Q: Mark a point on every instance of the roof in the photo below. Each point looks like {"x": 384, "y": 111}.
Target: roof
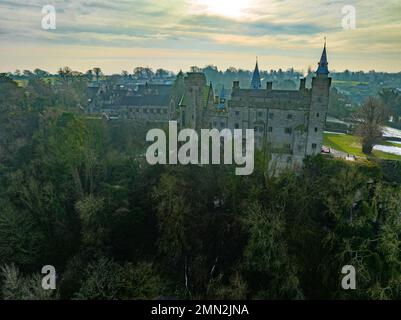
{"x": 256, "y": 84}
{"x": 323, "y": 64}
{"x": 148, "y": 100}
{"x": 207, "y": 94}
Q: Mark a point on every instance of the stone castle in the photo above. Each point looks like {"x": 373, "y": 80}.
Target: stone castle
{"x": 288, "y": 124}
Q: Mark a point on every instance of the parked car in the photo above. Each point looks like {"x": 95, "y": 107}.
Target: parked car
{"x": 326, "y": 150}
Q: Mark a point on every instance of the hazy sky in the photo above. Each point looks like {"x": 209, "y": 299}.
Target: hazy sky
{"x": 176, "y": 34}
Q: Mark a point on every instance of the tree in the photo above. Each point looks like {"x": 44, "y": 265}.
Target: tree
{"x": 124, "y": 74}
{"x": 138, "y": 72}
{"x": 266, "y": 256}
{"x": 161, "y": 73}
{"x": 148, "y": 73}
{"x": 98, "y": 72}
{"x": 391, "y": 98}
{"x": 17, "y": 287}
{"x": 371, "y": 117}
{"x": 89, "y": 75}
{"x": 287, "y": 85}
{"x": 195, "y": 69}
{"x": 340, "y": 105}
{"x": 100, "y": 281}
{"x": 40, "y": 73}
{"x": 65, "y": 74}
{"x": 28, "y": 74}
{"x": 21, "y": 241}
{"x": 143, "y": 72}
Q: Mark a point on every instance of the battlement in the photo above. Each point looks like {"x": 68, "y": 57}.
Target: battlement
{"x": 291, "y": 98}
{"x": 195, "y": 79}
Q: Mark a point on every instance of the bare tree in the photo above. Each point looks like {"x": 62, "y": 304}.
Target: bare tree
{"x": 125, "y": 74}
{"x": 372, "y": 116}
{"x": 89, "y": 75}
{"x": 98, "y": 72}
{"x": 65, "y": 74}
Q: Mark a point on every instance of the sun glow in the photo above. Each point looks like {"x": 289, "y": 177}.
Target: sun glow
{"x": 227, "y": 8}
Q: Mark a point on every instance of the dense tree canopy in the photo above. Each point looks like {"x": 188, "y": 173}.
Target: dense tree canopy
{"x": 76, "y": 193}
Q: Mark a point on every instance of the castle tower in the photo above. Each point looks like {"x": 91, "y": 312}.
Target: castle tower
{"x": 193, "y": 102}
{"x": 256, "y": 84}
{"x": 319, "y": 105}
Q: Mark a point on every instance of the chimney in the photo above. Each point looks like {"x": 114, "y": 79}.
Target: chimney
{"x": 236, "y": 87}
{"x": 302, "y": 84}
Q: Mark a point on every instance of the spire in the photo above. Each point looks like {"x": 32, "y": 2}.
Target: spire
{"x": 223, "y": 94}
{"x": 323, "y": 64}
{"x": 256, "y": 84}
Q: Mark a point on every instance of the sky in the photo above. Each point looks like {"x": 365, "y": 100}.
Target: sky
{"x": 118, "y": 35}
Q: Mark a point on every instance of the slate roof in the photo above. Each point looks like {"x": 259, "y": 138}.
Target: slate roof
{"x": 256, "y": 84}
{"x": 147, "y": 100}
{"x": 323, "y": 64}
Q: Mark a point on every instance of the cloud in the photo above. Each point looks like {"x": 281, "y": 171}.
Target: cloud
{"x": 280, "y": 27}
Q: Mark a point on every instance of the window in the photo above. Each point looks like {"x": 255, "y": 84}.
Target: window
{"x": 183, "y": 118}
{"x": 237, "y": 113}
{"x": 287, "y": 146}
{"x": 260, "y": 114}
{"x": 222, "y": 124}
{"x": 316, "y": 129}
{"x": 271, "y": 115}
{"x": 314, "y": 146}
{"x": 270, "y": 129}
{"x": 261, "y": 129}
{"x": 317, "y": 115}
{"x": 236, "y": 126}
{"x": 288, "y": 130}
{"x": 289, "y": 116}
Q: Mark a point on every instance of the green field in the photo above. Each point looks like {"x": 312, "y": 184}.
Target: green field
{"x": 350, "y": 83}
{"x": 350, "y": 144}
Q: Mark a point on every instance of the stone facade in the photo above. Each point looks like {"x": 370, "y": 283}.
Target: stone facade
{"x": 288, "y": 124}
{"x": 148, "y": 103}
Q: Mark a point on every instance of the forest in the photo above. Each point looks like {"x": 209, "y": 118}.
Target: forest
{"x": 77, "y": 193}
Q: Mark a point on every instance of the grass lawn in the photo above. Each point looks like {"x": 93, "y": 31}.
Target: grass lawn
{"x": 351, "y": 145}
{"x": 350, "y": 83}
